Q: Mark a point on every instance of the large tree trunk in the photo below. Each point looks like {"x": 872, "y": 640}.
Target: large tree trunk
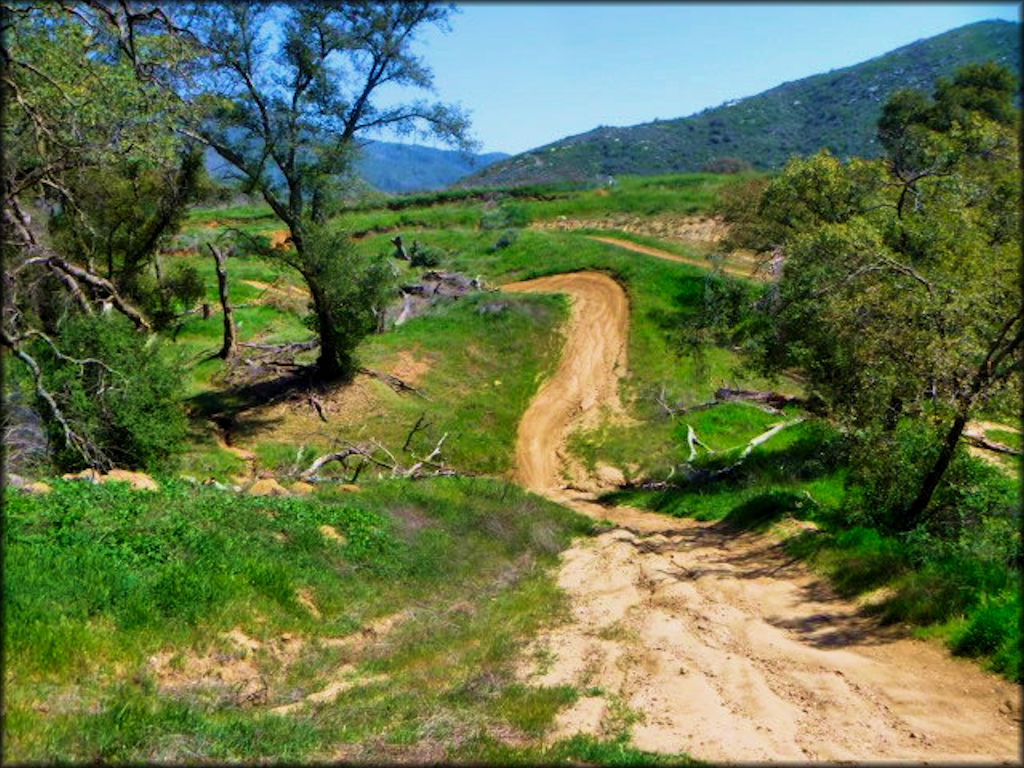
{"x": 230, "y": 335}
{"x": 934, "y": 476}
{"x": 331, "y": 361}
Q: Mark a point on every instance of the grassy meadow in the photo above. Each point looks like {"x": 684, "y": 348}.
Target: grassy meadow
{"x": 383, "y": 624}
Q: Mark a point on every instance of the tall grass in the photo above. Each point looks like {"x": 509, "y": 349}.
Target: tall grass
{"x": 99, "y": 578}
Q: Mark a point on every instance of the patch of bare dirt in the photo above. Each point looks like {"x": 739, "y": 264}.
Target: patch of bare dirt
{"x": 410, "y": 368}
{"x": 298, "y": 421}
{"x": 284, "y": 290}
{"x": 235, "y": 673}
{"x": 139, "y": 481}
{"x": 689, "y": 230}
{"x": 280, "y": 239}
{"x": 978, "y": 429}
{"x": 729, "y": 649}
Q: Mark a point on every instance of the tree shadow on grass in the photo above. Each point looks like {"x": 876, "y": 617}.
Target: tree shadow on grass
{"x": 225, "y": 405}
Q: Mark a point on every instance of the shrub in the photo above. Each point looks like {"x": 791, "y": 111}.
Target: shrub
{"x": 887, "y": 470}
{"x": 129, "y": 407}
{"x": 353, "y": 288}
{"x": 994, "y": 630}
{"x": 424, "y": 255}
{"x": 508, "y": 237}
{"x": 505, "y": 216}
{"x": 726, "y": 165}
{"x": 180, "y": 291}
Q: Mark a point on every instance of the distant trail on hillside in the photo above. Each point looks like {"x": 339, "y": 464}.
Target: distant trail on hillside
{"x": 668, "y": 255}
{"x": 730, "y": 649}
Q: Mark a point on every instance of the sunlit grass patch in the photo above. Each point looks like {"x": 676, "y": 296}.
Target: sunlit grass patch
{"x": 98, "y": 579}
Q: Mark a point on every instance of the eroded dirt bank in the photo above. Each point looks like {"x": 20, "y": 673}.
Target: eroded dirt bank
{"x": 731, "y": 651}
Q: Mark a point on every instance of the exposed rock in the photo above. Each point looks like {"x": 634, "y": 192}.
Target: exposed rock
{"x": 609, "y": 475}
{"x": 92, "y": 475}
{"x": 330, "y": 532}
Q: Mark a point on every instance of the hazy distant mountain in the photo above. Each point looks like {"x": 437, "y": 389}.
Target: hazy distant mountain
{"x": 398, "y": 168}
{"x": 837, "y": 110}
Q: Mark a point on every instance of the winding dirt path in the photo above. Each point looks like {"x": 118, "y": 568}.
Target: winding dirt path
{"x": 731, "y": 651}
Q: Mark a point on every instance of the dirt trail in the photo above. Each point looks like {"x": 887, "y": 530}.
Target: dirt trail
{"x": 731, "y": 651}
{"x": 748, "y": 270}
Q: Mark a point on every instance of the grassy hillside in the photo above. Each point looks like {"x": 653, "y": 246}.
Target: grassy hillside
{"x": 837, "y": 110}
{"x": 389, "y": 623}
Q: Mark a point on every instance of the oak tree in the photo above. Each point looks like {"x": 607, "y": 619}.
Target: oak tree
{"x": 900, "y": 291}
{"x": 290, "y": 92}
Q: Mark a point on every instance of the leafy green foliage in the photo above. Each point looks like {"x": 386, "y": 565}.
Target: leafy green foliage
{"x": 128, "y": 402}
{"x": 504, "y": 216}
{"x": 883, "y": 259}
{"x": 122, "y": 214}
{"x": 424, "y": 256}
{"x": 288, "y": 116}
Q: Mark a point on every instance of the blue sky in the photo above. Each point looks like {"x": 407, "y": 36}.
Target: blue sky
{"x": 532, "y": 73}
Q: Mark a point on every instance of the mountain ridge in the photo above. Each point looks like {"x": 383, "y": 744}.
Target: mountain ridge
{"x": 395, "y": 168}
{"x": 835, "y": 110}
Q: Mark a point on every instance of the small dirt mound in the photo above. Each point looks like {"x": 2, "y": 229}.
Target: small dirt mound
{"x": 140, "y": 481}
{"x": 267, "y": 486}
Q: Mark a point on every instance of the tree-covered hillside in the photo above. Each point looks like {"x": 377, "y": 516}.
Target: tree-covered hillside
{"x": 837, "y": 110}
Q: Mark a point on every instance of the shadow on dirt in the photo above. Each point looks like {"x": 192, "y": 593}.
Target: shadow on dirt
{"x": 739, "y": 551}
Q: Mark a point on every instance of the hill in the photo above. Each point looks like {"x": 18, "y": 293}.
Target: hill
{"x": 397, "y": 168}
{"x": 837, "y": 110}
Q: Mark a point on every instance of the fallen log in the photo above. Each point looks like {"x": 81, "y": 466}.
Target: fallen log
{"x": 392, "y": 381}
{"x": 980, "y": 441}
{"x": 775, "y": 400}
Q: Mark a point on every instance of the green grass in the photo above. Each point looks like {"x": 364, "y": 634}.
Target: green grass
{"x": 99, "y": 578}
{"x": 473, "y": 209}
{"x": 1007, "y": 437}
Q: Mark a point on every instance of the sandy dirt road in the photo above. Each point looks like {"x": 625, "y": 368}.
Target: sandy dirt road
{"x": 729, "y": 650}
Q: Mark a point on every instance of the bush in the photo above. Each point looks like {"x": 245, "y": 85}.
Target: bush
{"x": 994, "y": 623}
{"x": 354, "y": 289}
{"x": 178, "y": 292}
{"x": 508, "y": 237}
{"x": 424, "y": 255}
{"x": 887, "y": 470}
{"x": 505, "y": 216}
{"x": 726, "y": 165}
{"x": 129, "y": 407}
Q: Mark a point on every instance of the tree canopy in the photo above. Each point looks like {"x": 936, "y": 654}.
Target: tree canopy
{"x": 288, "y": 110}
{"x": 900, "y": 290}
